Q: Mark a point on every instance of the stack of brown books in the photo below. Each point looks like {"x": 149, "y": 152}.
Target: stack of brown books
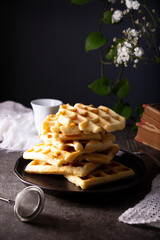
{"x": 149, "y": 126}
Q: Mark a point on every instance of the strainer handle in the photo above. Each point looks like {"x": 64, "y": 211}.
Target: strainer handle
{"x": 7, "y": 200}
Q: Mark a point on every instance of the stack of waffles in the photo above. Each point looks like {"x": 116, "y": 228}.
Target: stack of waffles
{"x": 78, "y": 143}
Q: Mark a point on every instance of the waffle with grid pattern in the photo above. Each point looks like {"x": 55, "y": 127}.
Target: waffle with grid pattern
{"x": 80, "y": 169}
{"x": 77, "y": 143}
{"x": 56, "y": 157}
{"x": 85, "y": 145}
{"x": 105, "y": 174}
{"x": 87, "y": 118}
{"x": 78, "y": 119}
{"x": 50, "y": 154}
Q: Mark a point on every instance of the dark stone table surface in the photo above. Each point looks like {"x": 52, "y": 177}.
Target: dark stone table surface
{"x": 76, "y": 217}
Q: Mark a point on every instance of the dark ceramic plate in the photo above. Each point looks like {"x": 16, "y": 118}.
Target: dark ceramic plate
{"x": 57, "y": 183}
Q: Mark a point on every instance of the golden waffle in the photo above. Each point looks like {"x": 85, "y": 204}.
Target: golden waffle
{"x": 104, "y": 156}
{"x": 85, "y": 145}
{"x": 105, "y": 174}
{"x": 50, "y": 154}
{"x": 77, "y": 143}
{"x": 81, "y": 136}
{"x": 56, "y": 157}
{"x": 80, "y": 121}
{"x": 89, "y": 118}
{"x": 51, "y": 129}
{"x": 61, "y": 136}
{"x": 51, "y": 126}
{"x": 80, "y": 169}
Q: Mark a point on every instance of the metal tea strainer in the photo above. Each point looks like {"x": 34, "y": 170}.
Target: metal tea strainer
{"x": 28, "y": 203}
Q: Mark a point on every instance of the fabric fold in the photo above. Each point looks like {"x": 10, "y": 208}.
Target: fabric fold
{"x": 17, "y": 130}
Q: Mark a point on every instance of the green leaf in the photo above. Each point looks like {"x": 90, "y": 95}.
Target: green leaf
{"x": 107, "y": 17}
{"x": 94, "y": 40}
{"x": 111, "y": 52}
{"x": 124, "y": 89}
{"x": 123, "y": 109}
{"x": 126, "y": 112}
{"x": 139, "y": 109}
{"x": 100, "y": 86}
{"x": 121, "y": 88}
{"x": 80, "y": 1}
{"x": 118, "y": 107}
{"x": 116, "y": 87}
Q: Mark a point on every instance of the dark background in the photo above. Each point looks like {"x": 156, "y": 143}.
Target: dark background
{"x": 43, "y": 54}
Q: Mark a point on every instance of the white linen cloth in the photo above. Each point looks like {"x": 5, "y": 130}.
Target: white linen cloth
{"x": 17, "y": 129}
{"x": 146, "y": 211}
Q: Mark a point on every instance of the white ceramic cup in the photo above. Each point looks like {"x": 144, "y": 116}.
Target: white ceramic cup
{"x": 44, "y": 107}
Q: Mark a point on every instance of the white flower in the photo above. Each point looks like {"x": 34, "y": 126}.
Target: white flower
{"x": 135, "y": 5}
{"x": 136, "y": 60}
{"x": 132, "y": 4}
{"x": 117, "y": 16}
{"x": 137, "y": 21}
{"x": 124, "y": 49}
{"x": 129, "y": 4}
{"x": 133, "y": 32}
{"x": 123, "y": 57}
{"x": 138, "y": 52}
{"x": 127, "y": 44}
{"x": 122, "y": 54}
{"x": 135, "y": 41}
{"x": 114, "y": 39}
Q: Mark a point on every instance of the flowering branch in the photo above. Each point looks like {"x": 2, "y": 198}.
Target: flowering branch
{"x": 124, "y": 49}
